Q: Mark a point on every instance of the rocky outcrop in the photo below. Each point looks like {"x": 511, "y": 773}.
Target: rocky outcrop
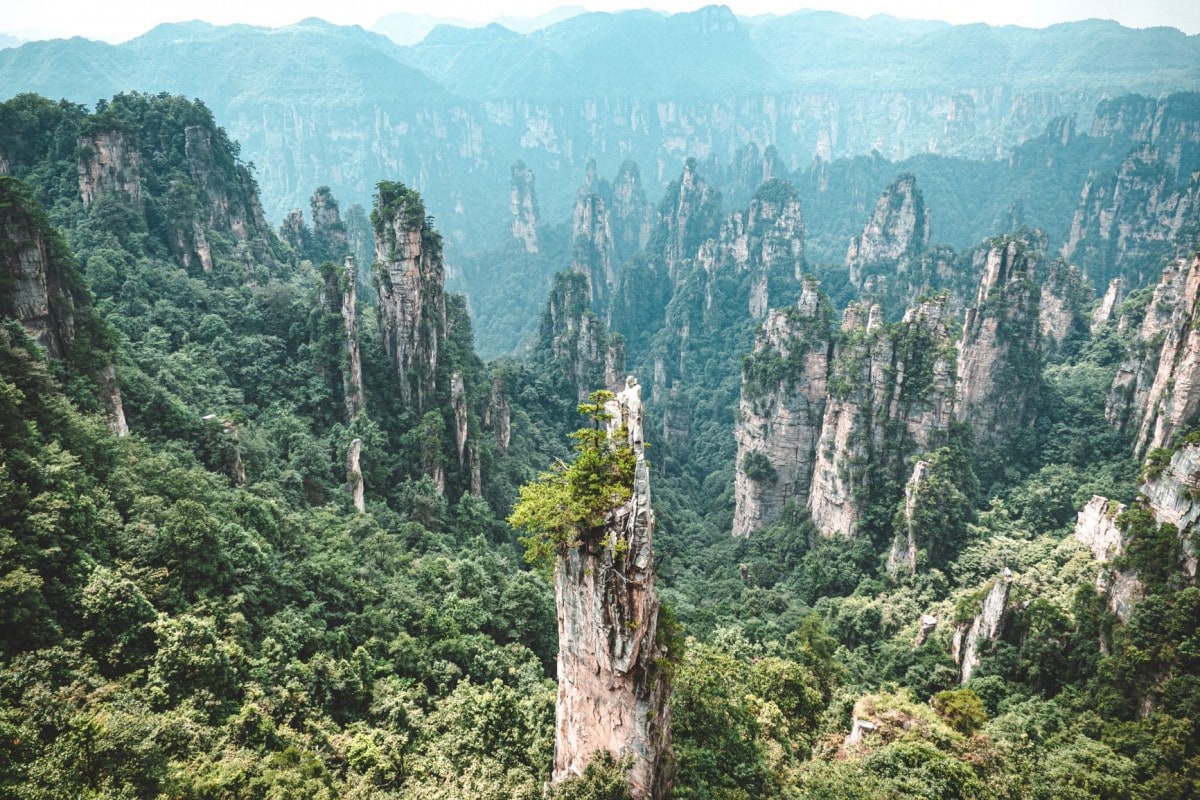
{"x": 497, "y": 416}
{"x": 891, "y": 389}
{"x": 458, "y": 403}
{"x": 903, "y": 555}
{"x": 226, "y": 203}
{"x": 35, "y": 263}
{"x": 1063, "y": 296}
{"x": 1173, "y": 495}
{"x": 629, "y": 211}
{"x": 765, "y": 242}
{"x": 41, "y": 288}
{"x": 593, "y": 251}
{"x": 780, "y": 412}
{"x": 524, "y": 208}
{"x": 354, "y": 477}
{"x": 1096, "y": 528}
{"x": 1113, "y": 297}
{"x": 998, "y": 354}
{"x": 330, "y": 241}
{"x": 613, "y": 692}
{"x": 109, "y": 162}
{"x": 295, "y": 232}
{"x": 1127, "y": 222}
{"x": 986, "y": 627}
{"x": 689, "y": 214}
{"x": 412, "y": 304}
{"x": 339, "y": 301}
{"x": 1157, "y": 388}
{"x": 575, "y": 342}
{"x": 895, "y": 235}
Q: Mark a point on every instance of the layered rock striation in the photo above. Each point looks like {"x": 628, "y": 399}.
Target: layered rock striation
{"x": 613, "y": 692}
{"x": 580, "y": 351}
{"x": 894, "y": 237}
{"x": 411, "y": 280}
{"x": 523, "y": 207}
{"x": 781, "y": 410}
{"x": 999, "y": 354}
{"x": 1157, "y": 388}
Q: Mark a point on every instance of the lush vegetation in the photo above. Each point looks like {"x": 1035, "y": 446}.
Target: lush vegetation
{"x": 197, "y": 611}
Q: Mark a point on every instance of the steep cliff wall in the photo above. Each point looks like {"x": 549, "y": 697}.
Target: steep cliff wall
{"x": 613, "y": 693}
{"x": 1127, "y": 223}
{"x": 593, "y": 251}
{"x": 1157, "y": 388}
{"x": 412, "y": 306}
{"x": 894, "y": 236}
{"x": 688, "y": 214}
{"x": 998, "y": 354}
{"x": 523, "y": 207}
{"x": 41, "y": 288}
{"x": 987, "y": 626}
{"x": 1064, "y": 294}
{"x": 109, "y": 162}
{"x": 891, "y": 388}
{"x": 780, "y": 411}
{"x": 574, "y": 341}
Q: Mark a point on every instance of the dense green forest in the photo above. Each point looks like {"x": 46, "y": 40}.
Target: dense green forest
{"x": 197, "y": 610}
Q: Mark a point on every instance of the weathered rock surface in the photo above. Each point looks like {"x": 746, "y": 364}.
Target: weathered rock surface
{"x": 330, "y": 241}
{"x": 891, "y": 389}
{"x": 896, "y": 233}
{"x": 339, "y": 299}
{"x": 1064, "y": 294}
{"x": 1174, "y": 496}
{"x": 1128, "y": 221}
{"x": 109, "y": 162}
{"x": 593, "y": 252}
{"x": 986, "y": 627}
{"x": 354, "y": 476}
{"x": 580, "y": 350}
{"x": 524, "y": 208}
{"x": 780, "y": 412}
{"x": 1108, "y": 304}
{"x": 1096, "y": 528}
{"x": 688, "y": 214}
{"x": 1157, "y": 388}
{"x": 412, "y": 304}
{"x": 903, "y": 555}
{"x": 613, "y": 695}
{"x": 497, "y": 416}
{"x": 998, "y": 354}
{"x": 629, "y": 211}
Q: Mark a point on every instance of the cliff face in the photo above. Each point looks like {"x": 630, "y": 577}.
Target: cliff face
{"x": 613, "y": 695}
{"x": 33, "y": 268}
{"x": 1096, "y": 528}
{"x": 630, "y": 211}
{"x": 1064, "y": 294}
{"x": 339, "y": 299}
{"x": 523, "y": 207}
{"x": 1126, "y": 223}
{"x": 891, "y": 389}
{"x": 987, "y": 626}
{"x": 41, "y": 289}
{"x": 109, "y": 162}
{"x": 593, "y": 253}
{"x": 896, "y": 234}
{"x": 688, "y": 214}
{"x": 780, "y": 411}
{"x": 1157, "y": 388}
{"x": 581, "y": 352}
{"x": 412, "y": 305}
{"x": 1112, "y": 298}
{"x": 330, "y": 241}
{"x": 998, "y": 353}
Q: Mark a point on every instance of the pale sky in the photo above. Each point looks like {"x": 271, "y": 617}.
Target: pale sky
{"x": 63, "y": 18}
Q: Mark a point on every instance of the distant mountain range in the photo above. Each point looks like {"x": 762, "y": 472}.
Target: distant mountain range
{"x": 315, "y": 103}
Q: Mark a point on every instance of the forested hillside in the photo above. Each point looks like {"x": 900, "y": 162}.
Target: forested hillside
{"x": 899, "y": 503}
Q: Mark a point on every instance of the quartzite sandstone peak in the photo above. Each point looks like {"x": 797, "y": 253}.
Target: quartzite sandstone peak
{"x": 412, "y": 305}
{"x": 613, "y": 693}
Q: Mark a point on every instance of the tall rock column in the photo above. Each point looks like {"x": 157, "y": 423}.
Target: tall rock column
{"x": 999, "y": 365}
{"x": 412, "y": 306}
{"x": 780, "y": 411}
{"x": 896, "y": 233}
{"x": 592, "y": 246}
{"x": 613, "y": 695}
{"x": 524, "y": 207}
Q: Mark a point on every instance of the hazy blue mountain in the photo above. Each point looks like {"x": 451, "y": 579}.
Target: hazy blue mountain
{"x": 319, "y": 104}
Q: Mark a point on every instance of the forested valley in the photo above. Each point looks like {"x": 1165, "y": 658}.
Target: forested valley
{"x": 922, "y": 435}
